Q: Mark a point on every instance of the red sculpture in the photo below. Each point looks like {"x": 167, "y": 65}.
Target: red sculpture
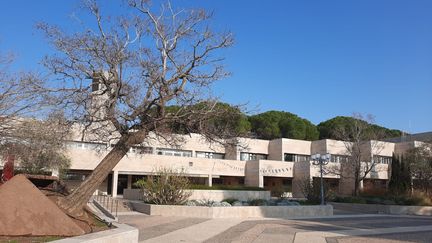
{"x": 8, "y": 168}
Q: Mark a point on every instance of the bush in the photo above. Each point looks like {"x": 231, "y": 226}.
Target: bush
{"x": 225, "y": 187}
{"x": 416, "y": 199}
{"x": 165, "y": 187}
{"x": 230, "y": 200}
{"x": 374, "y": 192}
{"x": 350, "y": 200}
{"x": 257, "y": 202}
{"x": 278, "y": 191}
{"x": 312, "y": 190}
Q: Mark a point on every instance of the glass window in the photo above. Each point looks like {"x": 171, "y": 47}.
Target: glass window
{"x": 86, "y": 145}
{"x": 209, "y": 155}
{"x": 174, "y": 152}
{"x": 382, "y": 159}
{"x": 141, "y": 150}
{"x": 335, "y": 158}
{"x": 296, "y": 157}
{"x": 252, "y": 156}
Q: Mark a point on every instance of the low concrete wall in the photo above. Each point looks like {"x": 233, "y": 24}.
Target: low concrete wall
{"x": 384, "y": 209}
{"x": 234, "y": 212}
{"x": 132, "y": 194}
{"x": 213, "y": 195}
{"x": 123, "y": 233}
{"x": 219, "y": 195}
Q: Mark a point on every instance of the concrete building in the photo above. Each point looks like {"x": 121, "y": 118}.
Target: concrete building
{"x": 280, "y": 165}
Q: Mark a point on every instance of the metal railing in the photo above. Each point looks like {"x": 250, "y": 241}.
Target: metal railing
{"x": 108, "y": 203}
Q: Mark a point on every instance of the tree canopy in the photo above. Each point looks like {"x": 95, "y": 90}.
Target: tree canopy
{"x": 328, "y": 129}
{"x": 281, "y": 124}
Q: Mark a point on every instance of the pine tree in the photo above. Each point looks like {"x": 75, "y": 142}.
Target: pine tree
{"x": 395, "y": 179}
{"x": 405, "y": 175}
{"x": 400, "y": 180}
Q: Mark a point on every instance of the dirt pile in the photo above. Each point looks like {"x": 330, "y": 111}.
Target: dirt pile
{"x": 25, "y": 210}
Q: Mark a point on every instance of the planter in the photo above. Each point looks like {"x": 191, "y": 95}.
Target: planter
{"x": 212, "y": 195}
{"x": 234, "y": 211}
{"x": 386, "y": 209}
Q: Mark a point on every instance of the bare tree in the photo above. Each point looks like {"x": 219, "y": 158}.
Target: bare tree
{"x": 361, "y": 143}
{"x": 38, "y": 145}
{"x": 149, "y": 69}
{"x": 420, "y": 162}
{"x": 18, "y": 96}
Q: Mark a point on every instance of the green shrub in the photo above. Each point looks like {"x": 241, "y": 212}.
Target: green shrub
{"x": 416, "y": 199}
{"x": 257, "y": 202}
{"x": 311, "y": 189}
{"x": 230, "y": 200}
{"x": 225, "y": 187}
{"x": 349, "y": 200}
{"x": 374, "y": 192}
{"x": 166, "y": 187}
{"x": 374, "y": 200}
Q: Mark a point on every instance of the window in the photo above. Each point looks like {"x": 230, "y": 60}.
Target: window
{"x": 86, "y": 145}
{"x": 174, "y": 152}
{"x": 296, "y": 157}
{"x": 141, "y": 150}
{"x": 75, "y": 176}
{"x": 252, "y": 156}
{"x": 286, "y": 182}
{"x": 382, "y": 159}
{"x": 335, "y": 158}
{"x": 209, "y": 155}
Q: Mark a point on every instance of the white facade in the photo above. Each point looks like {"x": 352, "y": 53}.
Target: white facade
{"x": 277, "y": 164}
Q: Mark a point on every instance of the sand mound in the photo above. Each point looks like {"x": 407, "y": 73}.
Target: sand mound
{"x": 25, "y": 210}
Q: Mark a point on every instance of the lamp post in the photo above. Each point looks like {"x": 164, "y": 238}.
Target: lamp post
{"x": 321, "y": 159}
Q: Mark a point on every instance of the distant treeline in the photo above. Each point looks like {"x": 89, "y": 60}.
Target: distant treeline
{"x": 281, "y": 124}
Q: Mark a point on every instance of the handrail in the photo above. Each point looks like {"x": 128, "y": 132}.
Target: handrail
{"x": 108, "y": 202}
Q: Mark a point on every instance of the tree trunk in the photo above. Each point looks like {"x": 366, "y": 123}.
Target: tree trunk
{"x": 75, "y": 202}
{"x": 357, "y": 180}
{"x": 356, "y": 187}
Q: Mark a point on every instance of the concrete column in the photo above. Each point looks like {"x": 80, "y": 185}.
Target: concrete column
{"x": 129, "y": 182}
{"x": 210, "y": 180}
{"x": 114, "y": 183}
{"x": 260, "y": 181}
{"x": 361, "y": 185}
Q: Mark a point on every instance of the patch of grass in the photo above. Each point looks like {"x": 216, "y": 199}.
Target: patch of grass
{"x": 32, "y": 239}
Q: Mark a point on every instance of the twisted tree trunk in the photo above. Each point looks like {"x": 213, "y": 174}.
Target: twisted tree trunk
{"x": 75, "y": 202}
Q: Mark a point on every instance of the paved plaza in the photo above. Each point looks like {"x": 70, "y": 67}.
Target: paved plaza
{"x": 341, "y": 228}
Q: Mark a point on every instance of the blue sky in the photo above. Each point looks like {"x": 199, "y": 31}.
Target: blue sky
{"x": 317, "y": 59}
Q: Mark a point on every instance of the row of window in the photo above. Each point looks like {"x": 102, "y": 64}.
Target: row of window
{"x": 252, "y": 156}
{"x": 174, "y": 152}
{"x": 382, "y": 159}
{"x": 339, "y": 158}
{"x": 211, "y": 155}
{"x": 296, "y": 157}
{"x": 87, "y": 145}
